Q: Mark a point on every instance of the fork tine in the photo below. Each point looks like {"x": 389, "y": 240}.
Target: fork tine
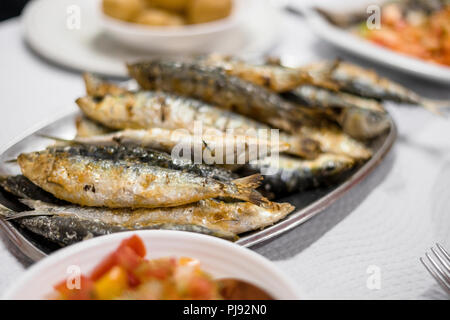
{"x": 436, "y": 276}
{"x": 439, "y": 270}
{"x": 444, "y": 252}
{"x": 443, "y": 262}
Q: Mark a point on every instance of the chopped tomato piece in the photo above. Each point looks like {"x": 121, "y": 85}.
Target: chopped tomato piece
{"x": 128, "y": 255}
{"x": 69, "y": 291}
{"x": 104, "y": 266}
{"x": 200, "y": 288}
{"x": 136, "y": 244}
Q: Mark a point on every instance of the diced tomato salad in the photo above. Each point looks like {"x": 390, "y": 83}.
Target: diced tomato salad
{"x": 127, "y": 274}
{"x": 424, "y": 37}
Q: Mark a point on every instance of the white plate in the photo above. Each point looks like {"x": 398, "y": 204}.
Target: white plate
{"x": 356, "y": 45}
{"x": 177, "y": 40}
{"x": 51, "y": 31}
{"x": 220, "y": 258}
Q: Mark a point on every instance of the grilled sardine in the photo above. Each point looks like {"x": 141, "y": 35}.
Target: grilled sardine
{"x": 90, "y": 181}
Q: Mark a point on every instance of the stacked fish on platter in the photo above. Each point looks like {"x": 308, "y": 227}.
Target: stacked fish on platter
{"x": 121, "y": 171}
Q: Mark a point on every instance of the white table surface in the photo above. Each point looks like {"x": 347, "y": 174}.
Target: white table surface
{"x": 388, "y": 221}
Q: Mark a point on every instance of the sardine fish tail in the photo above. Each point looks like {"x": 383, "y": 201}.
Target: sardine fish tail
{"x": 253, "y": 181}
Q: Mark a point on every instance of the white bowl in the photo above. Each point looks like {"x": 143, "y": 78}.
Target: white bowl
{"x": 175, "y": 40}
{"x": 222, "y": 259}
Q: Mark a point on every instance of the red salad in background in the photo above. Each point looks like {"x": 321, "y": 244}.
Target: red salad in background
{"x": 425, "y": 36}
{"x": 126, "y": 274}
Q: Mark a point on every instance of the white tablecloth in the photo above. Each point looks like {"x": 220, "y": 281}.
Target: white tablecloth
{"x": 365, "y": 246}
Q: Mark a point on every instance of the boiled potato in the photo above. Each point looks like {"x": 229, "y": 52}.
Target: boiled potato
{"x": 159, "y": 17}
{"x": 175, "y": 5}
{"x": 199, "y": 11}
{"x": 123, "y": 9}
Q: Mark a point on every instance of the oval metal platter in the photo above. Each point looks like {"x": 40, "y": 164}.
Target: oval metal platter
{"x": 308, "y": 203}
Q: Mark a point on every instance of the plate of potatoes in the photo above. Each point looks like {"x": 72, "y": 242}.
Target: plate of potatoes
{"x": 167, "y": 13}
{"x": 170, "y": 25}
{"x": 79, "y": 35}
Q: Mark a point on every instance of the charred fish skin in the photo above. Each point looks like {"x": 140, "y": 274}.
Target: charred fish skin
{"x": 200, "y": 82}
{"x": 225, "y": 217}
{"x": 215, "y": 146}
{"x": 358, "y": 117}
{"x": 22, "y": 187}
{"x": 214, "y": 86}
{"x": 150, "y": 109}
{"x": 147, "y": 110}
{"x": 290, "y": 175}
{"x": 118, "y": 184}
{"x": 145, "y": 155}
{"x": 313, "y": 96}
{"x": 367, "y": 83}
{"x": 307, "y": 142}
{"x": 65, "y": 230}
{"x": 271, "y": 76}
{"x": 68, "y": 229}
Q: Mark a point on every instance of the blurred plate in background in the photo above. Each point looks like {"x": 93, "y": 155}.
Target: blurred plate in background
{"x": 345, "y": 40}
{"x": 91, "y": 48}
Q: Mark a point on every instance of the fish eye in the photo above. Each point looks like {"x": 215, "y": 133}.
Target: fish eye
{"x": 330, "y": 166}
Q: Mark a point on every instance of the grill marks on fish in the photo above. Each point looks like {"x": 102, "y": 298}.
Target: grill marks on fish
{"x": 333, "y": 140}
{"x": 271, "y": 76}
{"x": 324, "y": 98}
{"x": 289, "y": 174}
{"x": 22, "y": 187}
{"x": 120, "y": 184}
{"x": 168, "y": 111}
{"x": 223, "y": 217}
{"x": 367, "y": 83}
{"x": 213, "y": 85}
{"x": 359, "y": 117}
{"x": 148, "y": 156}
{"x": 66, "y": 228}
{"x": 215, "y": 146}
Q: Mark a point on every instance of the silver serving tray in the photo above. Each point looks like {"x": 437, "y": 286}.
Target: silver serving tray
{"x": 307, "y": 204}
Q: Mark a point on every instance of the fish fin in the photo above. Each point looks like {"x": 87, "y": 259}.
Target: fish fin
{"x": 68, "y": 141}
{"x": 27, "y": 214}
{"x": 96, "y": 87}
{"x": 8, "y": 214}
{"x": 334, "y": 65}
{"x": 91, "y": 83}
{"x": 33, "y": 204}
{"x": 436, "y": 106}
{"x": 253, "y": 181}
{"x": 246, "y": 188}
{"x": 4, "y": 210}
{"x": 431, "y": 106}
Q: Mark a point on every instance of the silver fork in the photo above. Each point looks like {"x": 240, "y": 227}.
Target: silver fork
{"x": 440, "y": 269}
